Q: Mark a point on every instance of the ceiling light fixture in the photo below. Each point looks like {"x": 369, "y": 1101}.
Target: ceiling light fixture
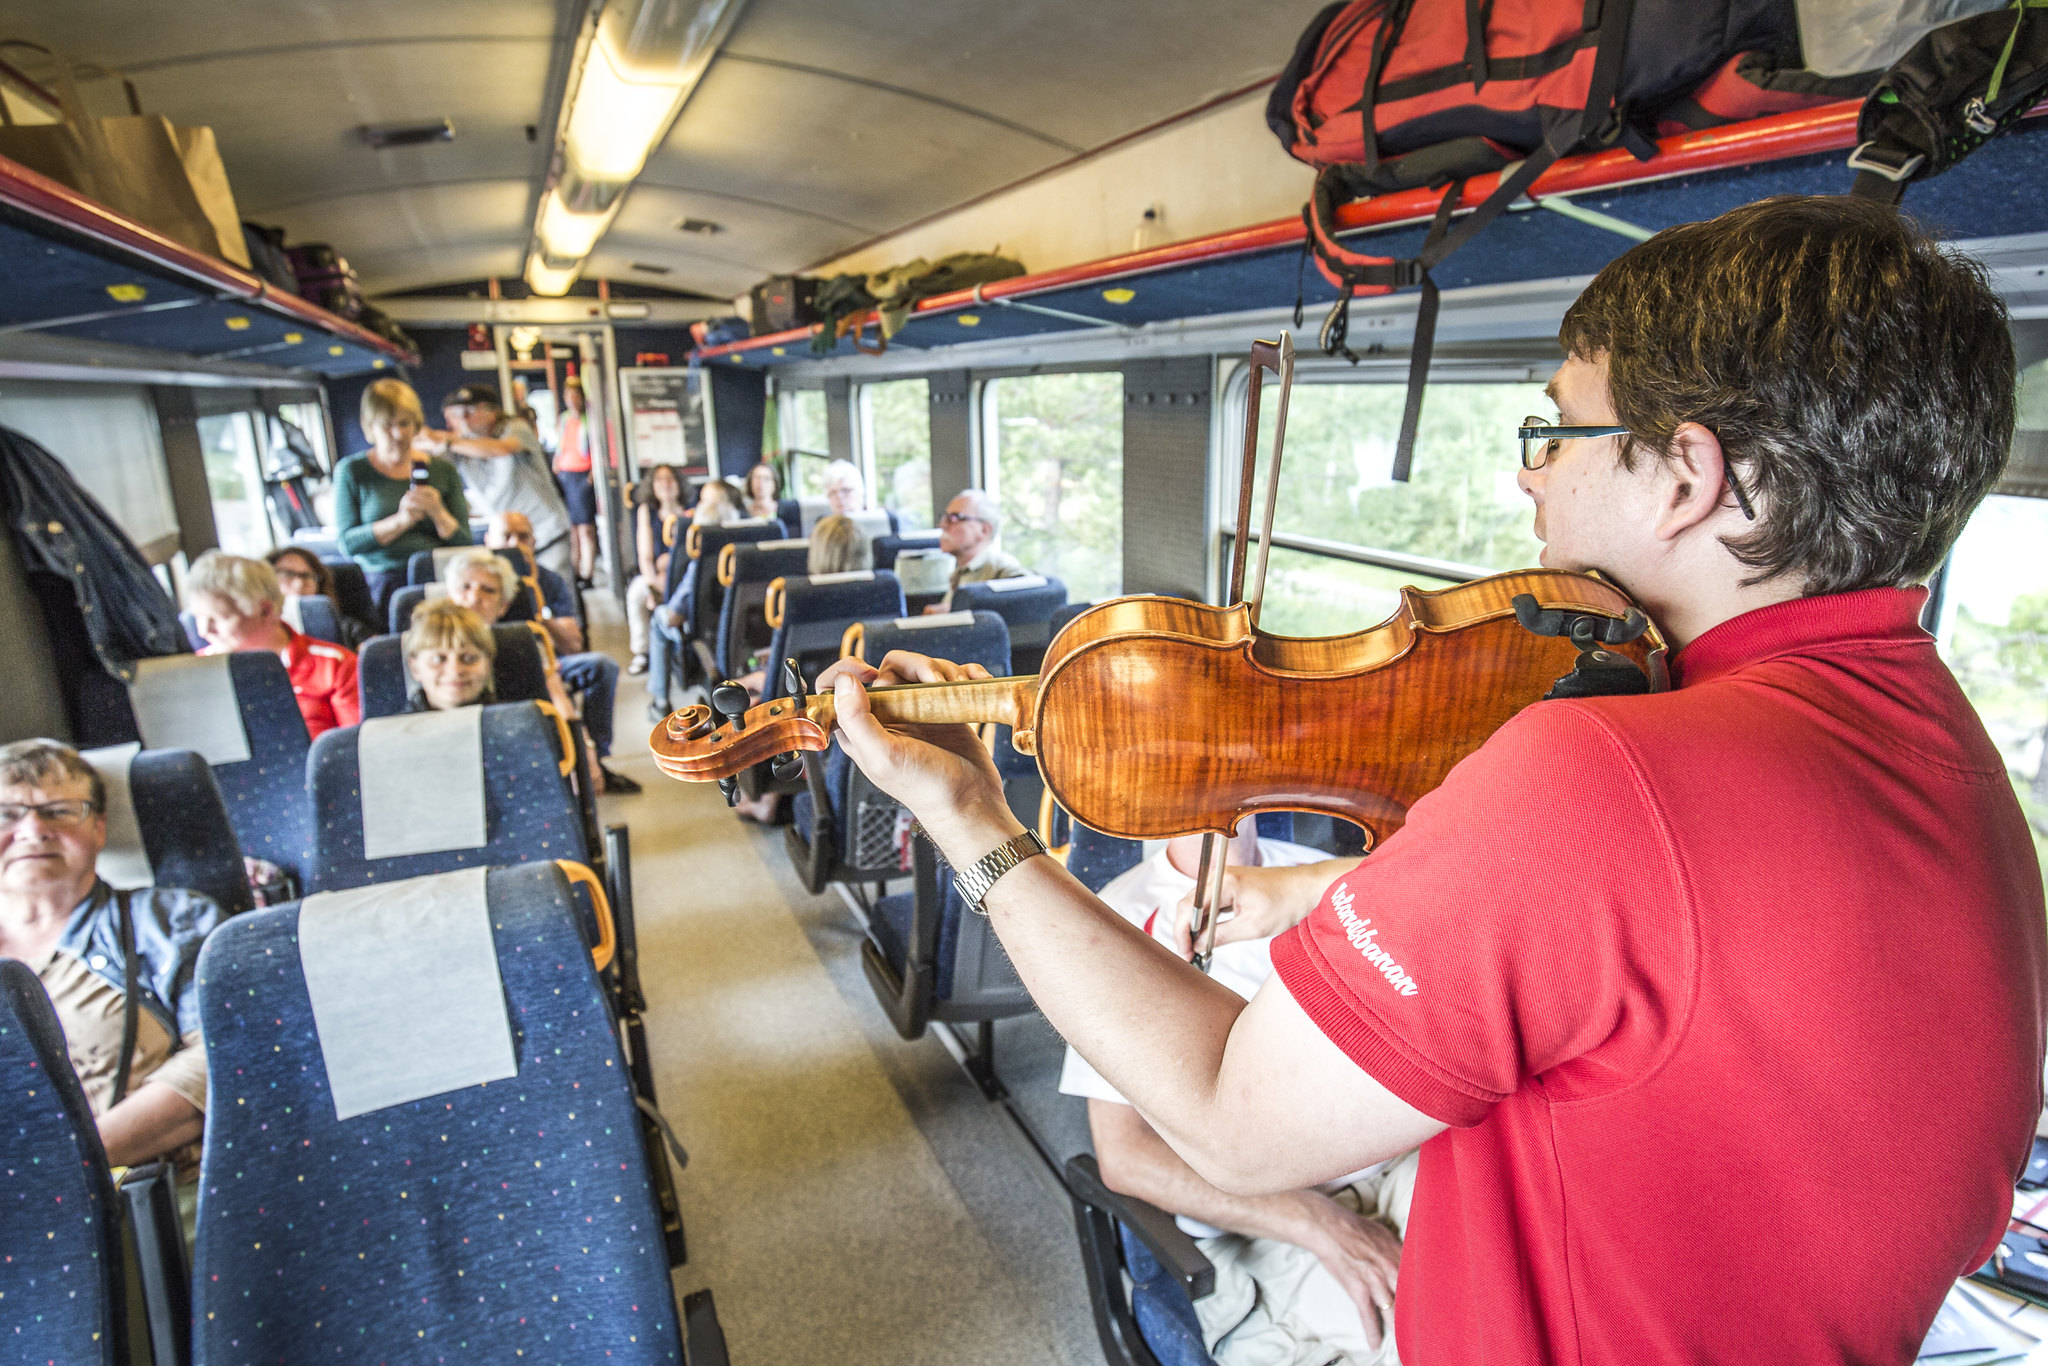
{"x": 383, "y": 135}
{"x": 639, "y": 69}
{"x": 550, "y": 281}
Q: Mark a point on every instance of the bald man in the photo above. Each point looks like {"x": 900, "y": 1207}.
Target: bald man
{"x": 968, "y": 533}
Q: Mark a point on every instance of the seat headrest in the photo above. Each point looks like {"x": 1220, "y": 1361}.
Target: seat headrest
{"x": 189, "y": 702}
{"x": 1014, "y": 585}
{"x": 124, "y": 862}
{"x": 392, "y": 964}
{"x": 421, "y": 777}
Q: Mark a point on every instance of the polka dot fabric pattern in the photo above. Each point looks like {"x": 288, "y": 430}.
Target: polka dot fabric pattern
{"x": 266, "y": 793}
{"x": 507, "y": 1222}
{"x": 61, "y": 1285}
{"x": 529, "y": 809}
{"x": 185, "y": 827}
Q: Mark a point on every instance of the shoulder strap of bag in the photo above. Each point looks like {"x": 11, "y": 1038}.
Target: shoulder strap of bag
{"x": 131, "y": 999}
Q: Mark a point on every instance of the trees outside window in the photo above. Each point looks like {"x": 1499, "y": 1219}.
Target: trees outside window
{"x": 800, "y": 426}
{"x": 1053, "y": 456}
{"x": 896, "y": 436}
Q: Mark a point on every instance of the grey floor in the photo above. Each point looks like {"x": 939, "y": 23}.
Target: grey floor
{"x": 851, "y": 1197}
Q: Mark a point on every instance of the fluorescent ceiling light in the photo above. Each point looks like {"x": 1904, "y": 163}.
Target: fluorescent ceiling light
{"x": 616, "y": 118}
{"x": 551, "y": 281}
{"x": 566, "y": 234}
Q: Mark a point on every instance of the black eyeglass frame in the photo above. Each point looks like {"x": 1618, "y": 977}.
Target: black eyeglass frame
{"x": 1535, "y": 435}
{"x": 41, "y": 811}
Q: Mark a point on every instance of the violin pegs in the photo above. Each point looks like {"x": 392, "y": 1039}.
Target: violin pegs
{"x": 793, "y": 683}
{"x": 730, "y": 700}
{"x": 788, "y": 767}
{"x": 731, "y": 788}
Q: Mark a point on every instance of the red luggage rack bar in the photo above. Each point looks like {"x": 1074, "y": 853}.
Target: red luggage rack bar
{"x": 1829, "y": 128}
{"x": 44, "y": 198}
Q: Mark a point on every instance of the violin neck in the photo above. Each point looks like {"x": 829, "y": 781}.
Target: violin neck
{"x": 1005, "y": 701}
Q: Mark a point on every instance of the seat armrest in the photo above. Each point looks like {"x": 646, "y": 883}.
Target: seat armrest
{"x": 1178, "y": 1253}
{"x": 149, "y": 1202}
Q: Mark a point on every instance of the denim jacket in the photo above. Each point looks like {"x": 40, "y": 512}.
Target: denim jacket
{"x": 170, "y": 925}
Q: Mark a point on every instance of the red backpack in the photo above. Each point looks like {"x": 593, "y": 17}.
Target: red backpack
{"x": 1388, "y": 95}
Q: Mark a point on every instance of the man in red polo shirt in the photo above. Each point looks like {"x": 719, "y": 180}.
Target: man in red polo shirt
{"x": 237, "y": 605}
{"x": 1719, "y": 1012}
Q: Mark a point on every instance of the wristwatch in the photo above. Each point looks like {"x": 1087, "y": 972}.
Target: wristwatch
{"x": 974, "y": 881}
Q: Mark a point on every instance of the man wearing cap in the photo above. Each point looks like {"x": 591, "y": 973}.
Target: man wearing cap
{"x": 504, "y": 467}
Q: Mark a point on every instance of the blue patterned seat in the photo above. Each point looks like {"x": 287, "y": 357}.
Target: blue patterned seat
{"x": 814, "y": 614}
{"x": 184, "y": 826}
{"x": 517, "y": 674}
{"x": 60, "y": 1231}
{"x": 266, "y": 793}
{"x": 490, "y": 1223}
{"x": 1027, "y": 604}
{"x": 530, "y": 811}
{"x": 742, "y": 625}
{"x": 1062, "y": 615}
{"x": 860, "y": 819}
{"x": 321, "y": 619}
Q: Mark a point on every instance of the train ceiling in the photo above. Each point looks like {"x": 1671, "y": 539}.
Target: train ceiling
{"x": 819, "y": 126}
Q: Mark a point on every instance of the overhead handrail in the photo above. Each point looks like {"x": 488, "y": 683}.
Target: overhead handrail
{"x": 1021, "y": 305}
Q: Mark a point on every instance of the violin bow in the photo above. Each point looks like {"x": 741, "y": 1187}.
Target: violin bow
{"x": 1279, "y": 358}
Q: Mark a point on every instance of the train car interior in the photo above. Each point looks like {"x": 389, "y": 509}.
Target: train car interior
{"x": 455, "y": 907}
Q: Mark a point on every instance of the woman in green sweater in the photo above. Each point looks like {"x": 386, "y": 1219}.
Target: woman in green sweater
{"x": 383, "y": 513}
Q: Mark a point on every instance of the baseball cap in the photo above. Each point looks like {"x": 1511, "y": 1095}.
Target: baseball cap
{"x": 473, "y": 393}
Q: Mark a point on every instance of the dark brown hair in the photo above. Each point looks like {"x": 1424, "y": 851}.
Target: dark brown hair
{"x": 1858, "y": 375}
{"x": 323, "y": 573}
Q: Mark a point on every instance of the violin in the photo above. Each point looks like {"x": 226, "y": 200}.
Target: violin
{"x": 1153, "y": 717}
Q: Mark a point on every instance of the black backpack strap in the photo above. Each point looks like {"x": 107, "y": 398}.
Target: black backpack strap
{"x": 1883, "y": 172}
{"x": 131, "y": 1003}
{"x": 1425, "y": 337}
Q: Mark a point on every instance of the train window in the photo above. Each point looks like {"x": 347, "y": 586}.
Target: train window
{"x": 801, "y": 426}
{"x": 234, "y": 478}
{"x": 1053, "y": 456}
{"x": 896, "y": 447}
{"x": 1994, "y": 617}
{"x": 107, "y": 436}
{"x": 1346, "y": 536}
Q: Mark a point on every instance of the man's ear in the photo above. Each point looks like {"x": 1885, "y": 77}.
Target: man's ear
{"x": 1695, "y": 481}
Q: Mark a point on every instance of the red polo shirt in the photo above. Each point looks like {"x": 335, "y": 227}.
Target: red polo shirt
{"x": 323, "y": 682}
{"x": 1734, "y": 996}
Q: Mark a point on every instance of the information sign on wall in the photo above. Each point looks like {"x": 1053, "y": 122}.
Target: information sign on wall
{"x": 664, "y": 410}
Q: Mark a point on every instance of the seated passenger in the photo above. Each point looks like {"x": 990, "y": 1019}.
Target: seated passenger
{"x": 1304, "y": 1278}
{"x": 60, "y": 919}
{"x": 838, "y": 546}
{"x": 302, "y": 574}
{"x": 718, "y": 503}
{"x": 764, "y": 490}
{"x": 846, "y": 492}
{"x": 390, "y": 502}
{"x": 238, "y": 606}
{"x": 588, "y": 672}
{"x": 449, "y": 654}
{"x": 658, "y": 519}
{"x": 968, "y": 533}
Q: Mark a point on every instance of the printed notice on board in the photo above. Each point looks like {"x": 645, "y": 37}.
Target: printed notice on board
{"x": 665, "y": 415}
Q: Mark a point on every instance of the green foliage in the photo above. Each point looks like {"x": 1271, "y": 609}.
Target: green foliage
{"x": 2004, "y": 672}
{"x": 899, "y": 433}
{"x": 1056, "y": 452}
{"x": 800, "y": 418}
{"x": 1460, "y": 503}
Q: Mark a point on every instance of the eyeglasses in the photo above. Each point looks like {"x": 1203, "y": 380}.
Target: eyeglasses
{"x": 1540, "y": 441}
{"x": 297, "y": 575}
{"x": 56, "y": 815}
{"x": 955, "y": 518}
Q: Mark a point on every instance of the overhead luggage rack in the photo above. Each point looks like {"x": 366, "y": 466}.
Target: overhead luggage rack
{"x": 1694, "y": 176}
{"x": 70, "y": 267}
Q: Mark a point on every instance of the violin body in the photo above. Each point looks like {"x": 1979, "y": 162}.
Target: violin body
{"x": 1156, "y": 717}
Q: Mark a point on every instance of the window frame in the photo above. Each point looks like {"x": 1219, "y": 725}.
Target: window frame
{"x": 863, "y": 428}
{"x": 1234, "y": 393}
{"x": 986, "y": 440}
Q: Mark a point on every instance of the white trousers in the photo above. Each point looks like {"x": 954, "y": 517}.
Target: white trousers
{"x": 639, "y": 608}
{"x": 1276, "y": 1305}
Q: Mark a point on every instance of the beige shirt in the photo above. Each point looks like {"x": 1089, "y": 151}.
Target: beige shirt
{"x": 89, "y": 1009}
{"x": 989, "y": 564}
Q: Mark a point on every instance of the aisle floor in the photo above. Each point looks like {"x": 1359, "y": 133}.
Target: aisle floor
{"x": 850, "y": 1197}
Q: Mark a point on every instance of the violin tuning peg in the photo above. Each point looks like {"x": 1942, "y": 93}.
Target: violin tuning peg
{"x": 731, "y": 700}
{"x": 787, "y": 768}
{"x": 731, "y": 788}
{"x": 793, "y": 682}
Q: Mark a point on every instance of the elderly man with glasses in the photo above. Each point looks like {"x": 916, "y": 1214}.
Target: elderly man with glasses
{"x": 968, "y": 533}
{"x": 119, "y": 966}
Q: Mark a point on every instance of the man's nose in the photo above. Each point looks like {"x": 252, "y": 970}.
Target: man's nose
{"x": 1530, "y": 482}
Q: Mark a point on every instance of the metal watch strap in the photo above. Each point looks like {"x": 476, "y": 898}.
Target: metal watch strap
{"x": 974, "y": 881}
